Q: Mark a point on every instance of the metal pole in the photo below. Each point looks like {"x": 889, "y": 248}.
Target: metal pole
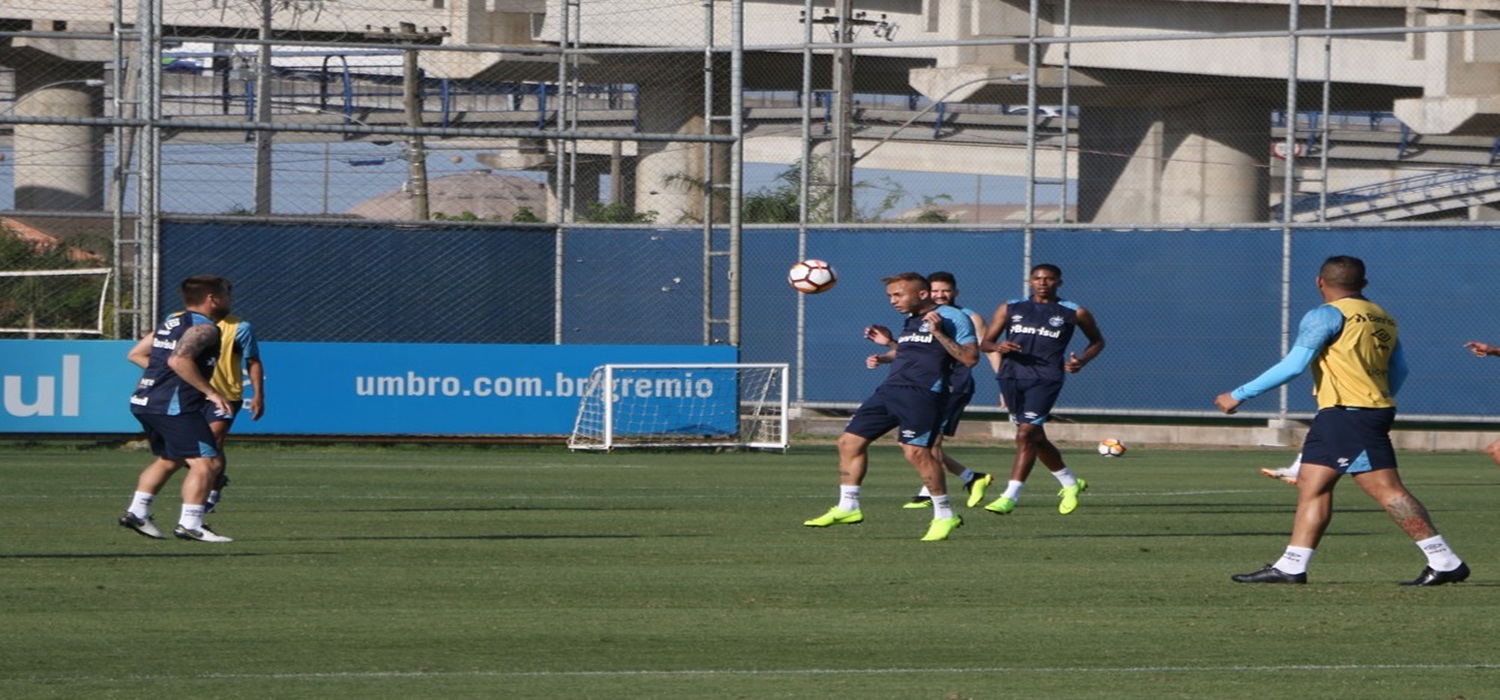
{"x": 706, "y": 202}
{"x": 416, "y": 147}
{"x": 737, "y": 166}
{"x": 805, "y": 187}
{"x": 843, "y": 117}
{"x": 1327, "y": 110}
{"x": 1288, "y": 182}
{"x": 263, "y": 139}
{"x": 1032, "y": 54}
{"x": 148, "y": 205}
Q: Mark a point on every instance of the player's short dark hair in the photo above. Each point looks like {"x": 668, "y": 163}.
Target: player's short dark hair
{"x": 1048, "y": 267}
{"x": 907, "y": 277}
{"x": 943, "y": 276}
{"x": 1343, "y": 272}
{"x": 198, "y": 287}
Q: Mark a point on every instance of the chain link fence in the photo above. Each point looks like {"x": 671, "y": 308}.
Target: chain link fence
{"x": 616, "y": 172}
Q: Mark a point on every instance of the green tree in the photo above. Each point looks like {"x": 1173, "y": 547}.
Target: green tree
{"x": 601, "y": 213}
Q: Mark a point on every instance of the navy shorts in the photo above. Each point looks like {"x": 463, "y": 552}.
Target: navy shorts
{"x": 953, "y": 412}
{"x": 1351, "y": 440}
{"x": 212, "y": 415}
{"x": 1030, "y": 400}
{"x": 916, "y": 411}
{"x": 179, "y": 437}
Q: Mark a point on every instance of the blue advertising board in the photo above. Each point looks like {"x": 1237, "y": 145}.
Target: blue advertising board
{"x": 81, "y": 387}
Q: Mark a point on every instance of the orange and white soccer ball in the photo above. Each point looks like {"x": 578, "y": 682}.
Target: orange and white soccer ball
{"x": 1110, "y": 447}
{"x": 812, "y": 277}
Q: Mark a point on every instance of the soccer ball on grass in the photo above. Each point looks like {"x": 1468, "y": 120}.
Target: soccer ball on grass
{"x": 1110, "y": 447}
{"x": 812, "y": 277}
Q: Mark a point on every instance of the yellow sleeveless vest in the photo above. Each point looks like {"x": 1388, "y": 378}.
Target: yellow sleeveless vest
{"x": 229, "y": 373}
{"x": 1354, "y": 370}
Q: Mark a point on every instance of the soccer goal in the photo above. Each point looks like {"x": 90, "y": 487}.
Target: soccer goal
{"x": 684, "y": 405}
{"x": 53, "y": 302}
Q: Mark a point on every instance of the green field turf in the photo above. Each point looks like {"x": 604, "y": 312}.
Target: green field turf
{"x": 413, "y": 572}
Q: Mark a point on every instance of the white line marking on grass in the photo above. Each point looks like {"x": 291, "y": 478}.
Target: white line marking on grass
{"x": 1120, "y": 670}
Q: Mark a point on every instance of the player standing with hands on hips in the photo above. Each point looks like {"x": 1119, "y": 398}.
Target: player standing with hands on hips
{"x": 911, "y": 398}
{"x": 1358, "y": 367}
{"x": 1034, "y": 361}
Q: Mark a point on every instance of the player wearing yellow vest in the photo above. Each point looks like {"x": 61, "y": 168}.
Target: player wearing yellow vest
{"x": 239, "y": 355}
{"x": 1355, "y": 353}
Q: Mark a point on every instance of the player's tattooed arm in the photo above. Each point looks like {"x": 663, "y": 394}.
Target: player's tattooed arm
{"x": 968, "y": 353}
{"x": 193, "y": 342}
{"x": 196, "y": 340}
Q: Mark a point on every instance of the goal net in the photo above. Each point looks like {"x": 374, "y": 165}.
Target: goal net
{"x": 683, "y": 405}
{"x": 53, "y": 302}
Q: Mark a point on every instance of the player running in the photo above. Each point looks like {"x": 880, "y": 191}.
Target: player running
{"x": 240, "y": 356}
{"x": 169, "y": 401}
{"x": 1354, "y": 349}
{"x": 912, "y": 397}
{"x": 945, "y": 291}
{"x": 1033, "y": 365}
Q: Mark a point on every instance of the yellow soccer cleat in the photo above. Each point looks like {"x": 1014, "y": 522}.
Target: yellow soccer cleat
{"x": 834, "y": 516}
{"x": 976, "y": 488}
{"x": 942, "y": 527}
{"x": 1069, "y": 497}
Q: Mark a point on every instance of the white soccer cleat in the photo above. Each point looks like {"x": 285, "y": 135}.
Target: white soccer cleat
{"x": 202, "y": 534}
{"x": 142, "y": 525}
{"x": 1284, "y": 473}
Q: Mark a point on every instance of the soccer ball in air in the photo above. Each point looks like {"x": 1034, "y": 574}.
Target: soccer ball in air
{"x": 812, "y": 277}
{"x": 1111, "y": 447}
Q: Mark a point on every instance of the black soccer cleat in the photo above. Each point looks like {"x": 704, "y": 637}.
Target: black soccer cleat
{"x": 1269, "y": 574}
{"x": 1431, "y": 577}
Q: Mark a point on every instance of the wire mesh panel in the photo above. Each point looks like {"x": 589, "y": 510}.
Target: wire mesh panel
{"x": 582, "y": 172}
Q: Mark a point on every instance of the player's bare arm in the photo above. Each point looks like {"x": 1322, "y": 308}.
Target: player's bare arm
{"x": 1481, "y": 349}
{"x": 257, "y": 371}
{"x": 968, "y": 353}
{"x": 980, "y": 328}
{"x": 1090, "y": 330}
{"x": 140, "y": 354}
{"x": 880, "y": 335}
{"x": 190, "y": 345}
{"x": 988, "y": 341}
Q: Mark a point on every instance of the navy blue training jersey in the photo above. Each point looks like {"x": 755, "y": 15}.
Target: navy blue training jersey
{"x": 962, "y": 381}
{"x": 1043, "y": 331}
{"x": 921, "y": 360}
{"x": 161, "y": 390}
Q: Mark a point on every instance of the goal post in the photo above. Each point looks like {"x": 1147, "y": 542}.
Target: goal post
{"x": 683, "y": 405}
{"x": 70, "y": 301}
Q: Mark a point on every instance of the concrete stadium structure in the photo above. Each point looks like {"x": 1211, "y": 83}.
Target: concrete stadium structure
{"x": 1174, "y": 96}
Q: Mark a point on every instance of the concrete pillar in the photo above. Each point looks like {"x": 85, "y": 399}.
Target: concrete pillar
{"x": 667, "y": 174}
{"x": 59, "y": 167}
{"x": 1193, "y": 164}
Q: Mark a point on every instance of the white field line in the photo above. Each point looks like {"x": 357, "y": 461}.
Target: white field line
{"x": 791, "y": 672}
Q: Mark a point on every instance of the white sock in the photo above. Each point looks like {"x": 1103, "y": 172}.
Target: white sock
{"x": 1295, "y": 467}
{"x": 1013, "y": 490}
{"x": 1294, "y": 560}
{"x": 924, "y": 493}
{"x": 849, "y": 498}
{"x": 942, "y": 507}
{"x": 1065, "y": 477}
{"x": 192, "y": 516}
{"x": 140, "y": 505}
{"x": 1439, "y": 557}
{"x": 967, "y": 475}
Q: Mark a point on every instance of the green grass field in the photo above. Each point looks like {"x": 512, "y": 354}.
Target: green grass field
{"x": 418, "y": 572}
